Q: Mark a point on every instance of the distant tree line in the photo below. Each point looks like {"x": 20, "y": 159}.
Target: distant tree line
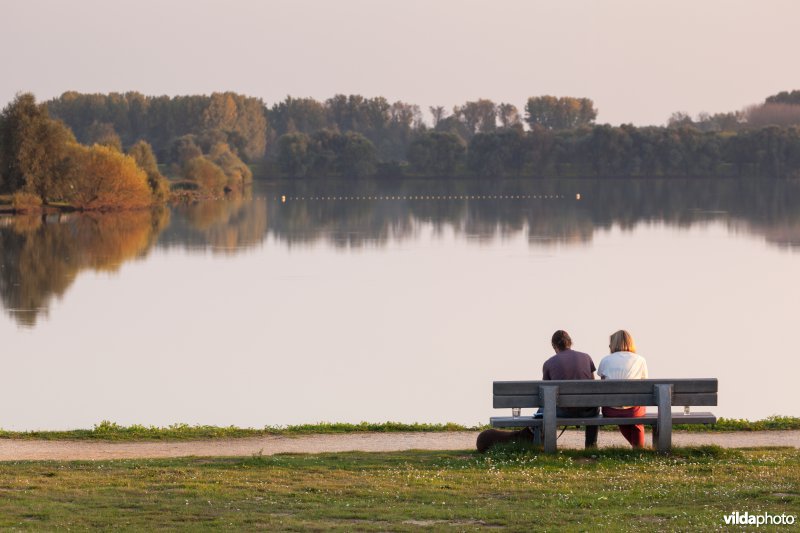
{"x": 598, "y": 151}
{"x": 481, "y": 138}
{"x": 356, "y": 136}
{"x": 345, "y": 134}
{"x": 627, "y": 151}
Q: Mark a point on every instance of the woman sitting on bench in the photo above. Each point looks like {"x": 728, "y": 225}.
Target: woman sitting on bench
{"x": 624, "y": 363}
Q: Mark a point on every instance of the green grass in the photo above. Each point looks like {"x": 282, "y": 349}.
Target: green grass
{"x": 110, "y": 431}
{"x": 515, "y": 488}
{"x": 771, "y": 423}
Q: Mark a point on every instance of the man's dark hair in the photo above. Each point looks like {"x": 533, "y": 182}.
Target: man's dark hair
{"x": 561, "y": 340}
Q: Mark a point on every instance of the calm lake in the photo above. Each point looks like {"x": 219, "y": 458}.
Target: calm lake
{"x": 347, "y": 302}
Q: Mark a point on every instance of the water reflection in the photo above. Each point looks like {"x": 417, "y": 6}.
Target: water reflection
{"x": 42, "y": 257}
{"x": 547, "y": 211}
{"x": 226, "y": 226}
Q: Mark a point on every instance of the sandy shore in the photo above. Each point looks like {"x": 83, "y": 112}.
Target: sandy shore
{"x": 15, "y": 450}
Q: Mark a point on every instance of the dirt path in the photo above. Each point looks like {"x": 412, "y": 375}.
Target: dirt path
{"x": 11, "y": 450}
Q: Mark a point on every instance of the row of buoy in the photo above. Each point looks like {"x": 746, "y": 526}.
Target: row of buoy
{"x": 284, "y": 198}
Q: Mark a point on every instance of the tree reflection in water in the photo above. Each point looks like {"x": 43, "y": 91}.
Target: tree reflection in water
{"x": 226, "y": 226}
{"x": 548, "y": 210}
{"x": 40, "y": 259}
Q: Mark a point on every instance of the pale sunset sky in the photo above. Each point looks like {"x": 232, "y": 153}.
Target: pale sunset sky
{"x": 639, "y": 61}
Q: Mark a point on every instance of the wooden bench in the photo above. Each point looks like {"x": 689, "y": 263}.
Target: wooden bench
{"x": 662, "y": 393}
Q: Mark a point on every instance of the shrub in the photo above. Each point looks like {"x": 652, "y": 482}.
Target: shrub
{"x": 102, "y": 178}
{"x": 142, "y": 153}
{"x": 237, "y": 172}
{"x": 25, "y": 202}
{"x": 209, "y": 177}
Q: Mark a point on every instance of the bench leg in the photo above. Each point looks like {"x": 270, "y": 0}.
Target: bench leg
{"x": 537, "y": 435}
{"x": 662, "y": 432}
{"x": 549, "y": 394}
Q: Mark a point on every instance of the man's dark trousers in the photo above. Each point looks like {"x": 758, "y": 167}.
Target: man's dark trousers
{"x": 590, "y": 440}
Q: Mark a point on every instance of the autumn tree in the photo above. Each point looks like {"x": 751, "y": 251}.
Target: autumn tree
{"x": 208, "y": 176}
{"x": 33, "y": 148}
{"x": 241, "y": 118}
{"x": 237, "y": 172}
{"x": 142, "y": 153}
{"x": 183, "y": 149}
{"x": 102, "y": 178}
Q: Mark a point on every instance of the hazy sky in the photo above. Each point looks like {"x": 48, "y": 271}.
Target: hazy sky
{"x": 638, "y": 60}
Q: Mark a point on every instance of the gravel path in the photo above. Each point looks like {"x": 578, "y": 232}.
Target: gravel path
{"x": 14, "y": 450}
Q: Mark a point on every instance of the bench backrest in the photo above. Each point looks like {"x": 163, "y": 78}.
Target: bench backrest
{"x": 606, "y": 392}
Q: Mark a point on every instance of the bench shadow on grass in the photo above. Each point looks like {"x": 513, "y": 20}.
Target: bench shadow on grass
{"x": 515, "y": 450}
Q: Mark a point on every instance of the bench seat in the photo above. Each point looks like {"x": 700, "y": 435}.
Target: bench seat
{"x": 650, "y": 419}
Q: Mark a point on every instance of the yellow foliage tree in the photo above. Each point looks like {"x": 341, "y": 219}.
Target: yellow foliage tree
{"x": 209, "y": 177}
{"x": 103, "y": 179}
{"x": 235, "y": 169}
{"x": 142, "y": 153}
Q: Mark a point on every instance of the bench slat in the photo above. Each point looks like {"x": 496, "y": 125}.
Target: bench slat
{"x": 600, "y": 400}
{"x": 649, "y": 420}
{"x": 605, "y": 386}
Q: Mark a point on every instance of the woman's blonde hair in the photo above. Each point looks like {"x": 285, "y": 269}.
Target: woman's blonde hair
{"x": 622, "y": 341}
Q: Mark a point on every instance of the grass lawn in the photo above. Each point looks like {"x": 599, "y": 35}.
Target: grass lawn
{"x": 516, "y": 488}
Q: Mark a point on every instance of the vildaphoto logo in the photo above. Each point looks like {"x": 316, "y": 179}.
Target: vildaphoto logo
{"x": 746, "y": 519}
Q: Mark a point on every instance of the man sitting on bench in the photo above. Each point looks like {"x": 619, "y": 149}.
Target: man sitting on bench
{"x": 570, "y": 364}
